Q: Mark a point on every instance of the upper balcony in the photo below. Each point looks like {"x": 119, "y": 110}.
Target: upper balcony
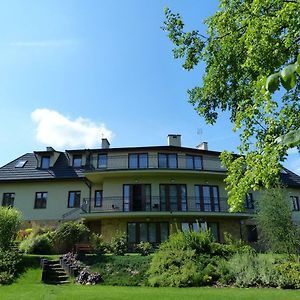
{"x": 155, "y": 161}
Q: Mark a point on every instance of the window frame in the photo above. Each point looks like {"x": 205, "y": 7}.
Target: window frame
{"x": 167, "y": 155}
{"x": 45, "y": 157}
{"x": 69, "y": 194}
{"x": 77, "y": 157}
{"x": 193, "y": 161}
{"x": 99, "y": 166}
{"x": 295, "y": 200}
{"x": 3, "y": 199}
{"x": 200, "y": 199}
{"x": 40, "y": 202}
{"x": 138, "y": 160}
{"x": 101, "y": 198}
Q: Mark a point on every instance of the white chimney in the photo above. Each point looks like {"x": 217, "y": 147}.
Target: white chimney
{"x": 105, "y": 144}
{"x": 174, "y": 140}
{"x": 202, "y": 146}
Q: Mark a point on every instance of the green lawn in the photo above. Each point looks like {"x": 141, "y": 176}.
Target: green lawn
{"x": 29, "y": 287}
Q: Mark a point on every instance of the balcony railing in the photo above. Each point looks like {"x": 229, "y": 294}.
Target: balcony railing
{"x": 122, "y": 162}
{"x": 154, "y": 204}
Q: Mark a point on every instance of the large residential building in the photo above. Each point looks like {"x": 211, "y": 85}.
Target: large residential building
{"x": 146, "y": 192}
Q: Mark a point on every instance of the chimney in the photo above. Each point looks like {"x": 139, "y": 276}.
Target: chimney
{"x": 202, "y": 146}
{"x": 50, "y": 149}
{"x": 105, "y": 144}
{"x": 174, "y": 140}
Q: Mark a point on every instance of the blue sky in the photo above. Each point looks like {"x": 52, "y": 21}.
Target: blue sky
{"x": 74, "y": 71}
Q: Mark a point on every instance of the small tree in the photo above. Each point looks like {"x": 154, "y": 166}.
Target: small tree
{"x": 274, "y": 220}
{"x": 10, "y": 220}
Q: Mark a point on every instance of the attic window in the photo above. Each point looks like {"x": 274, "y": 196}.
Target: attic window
{"x": 20, "y": 163}
{"x": 45, "y": 163}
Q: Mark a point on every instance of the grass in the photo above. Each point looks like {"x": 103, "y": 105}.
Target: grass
{"x": 29, "y": 287}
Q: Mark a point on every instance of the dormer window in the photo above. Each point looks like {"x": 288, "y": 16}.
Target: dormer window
{"x": 77, "y": 161}
{"x": 45, "y": 163}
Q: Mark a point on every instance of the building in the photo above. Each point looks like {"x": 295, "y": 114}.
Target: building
{"x": 147, "y": 192}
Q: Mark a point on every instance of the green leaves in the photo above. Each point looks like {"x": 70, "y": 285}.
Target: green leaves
{"x": 291, "y": 139}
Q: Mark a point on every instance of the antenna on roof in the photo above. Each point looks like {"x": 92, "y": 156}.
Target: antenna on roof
{"x": 199, "y": 131}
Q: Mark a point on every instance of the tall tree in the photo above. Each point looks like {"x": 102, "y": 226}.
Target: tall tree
{"x": 246, "y": 41}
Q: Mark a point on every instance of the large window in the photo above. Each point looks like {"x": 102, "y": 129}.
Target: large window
{"x": 45, "y": 163}
{"x": 295, "y": 203}
{"x": 154, "y": 233}
{"x": 8, "y": 199}
{"x": 102, "y": 161}
{"x": 249, "y": 203}
{"x": 207, "y": 198}
{"x": 167, "y": 160}
{"x": 138, "y": 161}
{"x": 77, "y": 161}
{"x": 202, "y": 226}
{"x": 98, "y": 198}
{"x": 40, "y": 200}
{"x": 137, "y": 197}
{"x": 74, "y": 199}
{"x": 173, "y": 197}
{"x": 193, "y": 162}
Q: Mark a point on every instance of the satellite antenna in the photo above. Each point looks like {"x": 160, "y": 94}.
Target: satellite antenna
{"x": 199, "y": 131}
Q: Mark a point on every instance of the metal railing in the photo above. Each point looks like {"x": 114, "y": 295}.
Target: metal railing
{"x": 154, "y": 204}
{"x": 123, "y": 162}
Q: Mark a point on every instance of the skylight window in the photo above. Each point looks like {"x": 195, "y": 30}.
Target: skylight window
{"x": 20, "y": 163}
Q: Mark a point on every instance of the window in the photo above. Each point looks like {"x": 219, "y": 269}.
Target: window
{"x": 154, "y": 233}
{"x": 74, "y": 199}
{"x": 202, "y": 226}
{"x": 295, "y": 202}
{"x": 173, "y": 197}
{"x": 249, "y": 203}
{"x": 20, "y": 163}
{"x": 102, "y": 161}
{"x": 77, "y": 161}
{"x": 252, "y": 235}
{"x": 8, "y": 199}
{"x": 45, "y": 163}
{"x": 138, "y": 161}
{"x": 136, "y": 197}
{"x": 40, "y": 200}
{"x": 166, "y": 160}
{"x": 207, "y": 198}
{"x": 98, "y": 198}
{"x": 193, "y": 162}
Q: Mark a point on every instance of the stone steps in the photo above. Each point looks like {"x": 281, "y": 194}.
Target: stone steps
{"x": 53, "y": 273}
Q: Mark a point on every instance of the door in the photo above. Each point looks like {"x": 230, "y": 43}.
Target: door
{"x": 137, "y": 197}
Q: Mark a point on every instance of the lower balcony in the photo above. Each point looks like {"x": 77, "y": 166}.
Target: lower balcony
{"x": 155, "y": 204}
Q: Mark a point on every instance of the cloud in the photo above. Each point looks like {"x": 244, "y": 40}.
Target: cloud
{"x": 59, "y": 131}
{"x": 45, "y": 43}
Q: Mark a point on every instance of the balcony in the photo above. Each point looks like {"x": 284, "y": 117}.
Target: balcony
{"x": 156, "y": 205}
{"x": 154, "y": 161}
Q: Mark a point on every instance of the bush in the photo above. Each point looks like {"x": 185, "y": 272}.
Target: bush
{"x": 288, "y": 275}
{"x": 98, "y": 245}
{"x": 144, "y": 248}
{"x": 10, "y": 220}
{"x": 10, "y": 263}
{"x": 68, "y": 234}
{"x": 40, "y": 244}
{"x": 118, "y": 244}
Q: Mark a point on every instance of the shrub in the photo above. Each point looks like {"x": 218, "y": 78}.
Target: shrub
{"x": 68, "y": 234}
{"x": 98, "y": 245}
{"x": 10, "y": 220}
{"x": 118, "y": 244}
{"x": 288, "y": 275}
{"x": 10, "y": 263}
{"x": 144, "y": 248}
{"x": 40, "y": 244}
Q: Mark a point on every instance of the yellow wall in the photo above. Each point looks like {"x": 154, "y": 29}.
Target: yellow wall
{"x": 57, "y": 202}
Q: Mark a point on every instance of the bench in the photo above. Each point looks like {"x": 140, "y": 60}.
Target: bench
{"x": 83, "y": 248}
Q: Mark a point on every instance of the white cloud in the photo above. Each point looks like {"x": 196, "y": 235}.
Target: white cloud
{"x": 59, "y": 131}
{"x": 45, "y": 43}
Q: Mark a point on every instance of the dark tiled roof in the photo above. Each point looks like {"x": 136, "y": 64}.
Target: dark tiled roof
{"x": 60, "y": 170}
{"x": 289, "y": 178}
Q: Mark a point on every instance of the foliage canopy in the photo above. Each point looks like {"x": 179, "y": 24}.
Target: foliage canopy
{"x": 247, "y": 40}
